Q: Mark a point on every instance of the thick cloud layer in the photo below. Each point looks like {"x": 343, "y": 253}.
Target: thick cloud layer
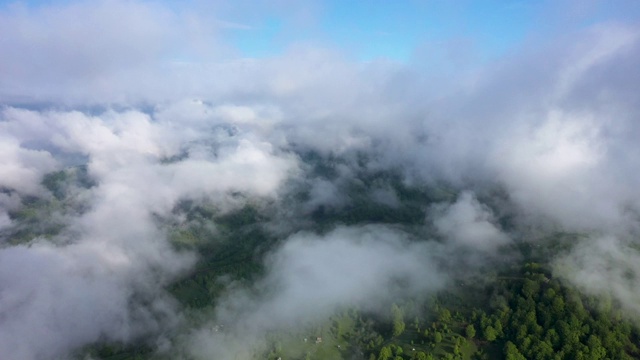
{"x": 104, "y": 279}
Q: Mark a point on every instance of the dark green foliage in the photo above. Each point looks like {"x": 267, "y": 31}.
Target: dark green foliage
{"x": 524, "y": 313}
{"x": 234, "y": 251}
{"x": 437, "y": 337}
{"x": 489, "y": 333}
{"x": 548, "y": 320}
{"x": 385, "y": 353}
{"x": 470, "y": 331}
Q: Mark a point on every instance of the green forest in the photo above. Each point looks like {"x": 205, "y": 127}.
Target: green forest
{"x": 518, "y": 309}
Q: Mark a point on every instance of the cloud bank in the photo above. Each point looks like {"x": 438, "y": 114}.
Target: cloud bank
{"x": 103, "y": 277}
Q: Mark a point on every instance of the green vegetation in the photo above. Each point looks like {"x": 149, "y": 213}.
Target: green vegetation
{"x": 533, "y": 317}
{"x": 233, "y": 250}
{"x": 44, "y": 217}
{"x": 543, "y": 319}
{"x": 520, "y": 311}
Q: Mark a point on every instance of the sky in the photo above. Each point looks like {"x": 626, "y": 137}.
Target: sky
{"x": 396, "y": 30}
{"x": 392, "y": 30}
{"x": 171, "y": 101}
{"x": 368, "y": 30}
{"x": 104, "y": 45}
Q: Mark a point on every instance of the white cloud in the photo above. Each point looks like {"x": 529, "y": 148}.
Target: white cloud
{"x": 105, "y": 278}
{"x": 23, "y": 168}
{"x": 469, "y": 223}
{"x": 311, "y": 276}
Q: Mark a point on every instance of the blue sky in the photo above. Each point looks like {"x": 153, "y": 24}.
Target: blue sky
{"x": 393, "y": 30}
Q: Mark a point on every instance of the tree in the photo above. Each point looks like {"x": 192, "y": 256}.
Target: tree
{"x": 385, "y": 353}
{"x": 398, "y": 320}
{"x": 511, "y": 352}
{"x": 445, "y": 316}
{"x": 596, "y": 351}
{"x": 552, "y": 337}
{"x": 420, "y": 356}
{"x": 470, "y": 330}
{"x": 398, "y": 327}
{"x": 557, "y": 304}
{"x": 490, "y": 333}
{"x": 530, "y": 288}
{"x": 549, "y": 294}
{"x": 498, "y": 326}
{"x": 437, "y": 337}
{"x": 542, "y": 350}
{"x": 397, "y": 350}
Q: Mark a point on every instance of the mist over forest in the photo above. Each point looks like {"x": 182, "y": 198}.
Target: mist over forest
{"x": 164, "y": 197}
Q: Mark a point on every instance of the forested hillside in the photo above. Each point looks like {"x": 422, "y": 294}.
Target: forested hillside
{"x": 516, "y": 307}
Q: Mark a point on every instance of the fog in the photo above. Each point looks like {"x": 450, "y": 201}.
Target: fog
{"x": 161, "y": 108}
{"x": 310, "y": 277}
